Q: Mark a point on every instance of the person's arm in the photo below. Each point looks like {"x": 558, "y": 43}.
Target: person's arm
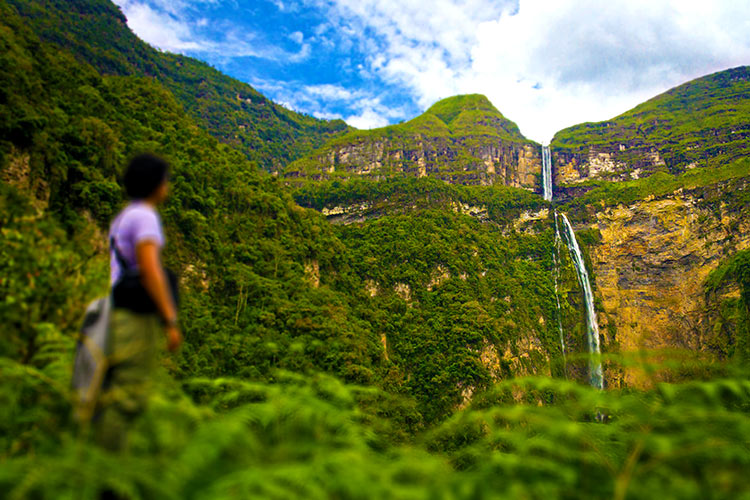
{"x": 155, "y": 282}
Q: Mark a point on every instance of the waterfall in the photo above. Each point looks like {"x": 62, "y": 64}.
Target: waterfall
{"x": 547, "y": 173}
{"x": 547, "y": 187}
{"x": 596, "y": 377}
{"x": 556, "y": 260}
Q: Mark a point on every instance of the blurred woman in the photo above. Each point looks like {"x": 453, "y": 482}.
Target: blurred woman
{"x": 144, "y": 300}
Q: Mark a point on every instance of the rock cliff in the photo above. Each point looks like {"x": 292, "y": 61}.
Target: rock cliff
{"x": 461, "y": 140}
{"x": 652, "y": 259}
{"x": 702, "y": 123}
{"x": 665, "y": 190}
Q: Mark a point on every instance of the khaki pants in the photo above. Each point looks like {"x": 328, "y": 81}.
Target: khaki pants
{"x": 128, "y": 384}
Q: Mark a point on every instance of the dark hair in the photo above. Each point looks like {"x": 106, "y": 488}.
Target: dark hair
{"x": 144, "y": 174}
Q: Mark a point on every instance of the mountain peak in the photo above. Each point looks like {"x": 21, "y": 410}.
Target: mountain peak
{"x": 473, "y": 114}
{"x": 448, "y": 109}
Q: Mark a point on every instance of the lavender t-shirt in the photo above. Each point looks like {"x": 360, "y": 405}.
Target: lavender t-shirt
{"x": 137, "y": 222}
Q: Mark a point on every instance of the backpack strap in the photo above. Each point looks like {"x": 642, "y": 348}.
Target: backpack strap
{"x": 120, "y": 259}
{"x": 118, "y": 255}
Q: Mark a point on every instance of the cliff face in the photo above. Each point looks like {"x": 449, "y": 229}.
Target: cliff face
{"x": 612, "y": 162}
{"x": 702, "y": 123}
{"x": 651, "y": 260}
{"x": 462, "y": 140}
{"x": 517, "y": 165}
{"x": 661, "y": 197}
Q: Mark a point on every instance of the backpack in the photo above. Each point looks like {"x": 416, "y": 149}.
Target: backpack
{"x": 92, "y": 357}
{"x": 129, "y": 293}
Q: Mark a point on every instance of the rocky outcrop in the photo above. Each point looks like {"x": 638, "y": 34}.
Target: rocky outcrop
{"x": 462, "y": 140}
{"x": 451, "y": 160}
{"x": 652, "y": 261}
{"x": 612, "y": 162}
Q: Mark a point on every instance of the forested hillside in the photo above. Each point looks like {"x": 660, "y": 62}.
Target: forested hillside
{"x": 461, "y": 140}
{"x": 270, "y": 285}
{"x": 95, "y": 31}
{"x": 665, "y": 188}
{"x": 395, "y": 338}
{"x": 702, "y": 123}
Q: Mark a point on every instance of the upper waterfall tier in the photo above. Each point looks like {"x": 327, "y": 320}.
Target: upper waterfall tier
{"x": 547, "y": 173}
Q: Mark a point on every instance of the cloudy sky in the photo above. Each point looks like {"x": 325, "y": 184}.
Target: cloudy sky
{"x": 545, "y": 64}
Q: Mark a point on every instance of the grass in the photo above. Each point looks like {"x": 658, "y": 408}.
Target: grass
{"x": 448, "y": 133}
{"x": 660, "y": 184}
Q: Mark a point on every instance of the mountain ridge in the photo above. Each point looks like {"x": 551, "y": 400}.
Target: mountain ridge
{"x": 232, "y": 111}
{"x": 701, "y": 123}
{"x": 429, "y": 345}
{"x": 461, "y": 139}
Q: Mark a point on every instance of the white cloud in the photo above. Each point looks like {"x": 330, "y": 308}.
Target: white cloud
{"x": 322, "y": 115}
{"x": 368, "y": 118}
{"x": 165, "y": 24}
{"x": 544, "y": 64}
{"x": 329, "y": 92}
{"x": 365, "y": 109}
{"x": 159, "y": 28}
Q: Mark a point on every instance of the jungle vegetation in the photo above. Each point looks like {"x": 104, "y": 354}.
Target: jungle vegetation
{"x": 321, "y": 360}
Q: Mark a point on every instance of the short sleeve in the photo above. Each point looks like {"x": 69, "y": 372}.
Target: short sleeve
{"x": 146, "y": 226}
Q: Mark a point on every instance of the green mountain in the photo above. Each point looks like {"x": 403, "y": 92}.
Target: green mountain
{"x": 97, "y": 34}
{"x": 461, "y": 140}
{"x": 699, "y": 124}
{"x": 666, "y": 187}
{"x": 268, "y": 285}
{"x": 370, "y": 345}
{"x": 235, "y": 234}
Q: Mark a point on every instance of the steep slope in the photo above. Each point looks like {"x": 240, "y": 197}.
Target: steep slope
{"x": 461, "y": 140}
{"x": 660, "y": 226}
{"x": 461, "y": 280}
{"x": 239, "y": 241}
{"x": 702, "y": 123}
{"x": 268, "y": 285}
{"x": 232, "y": 111}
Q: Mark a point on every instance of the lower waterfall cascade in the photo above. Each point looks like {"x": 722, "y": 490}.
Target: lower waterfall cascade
{"x": 596, "y": 375}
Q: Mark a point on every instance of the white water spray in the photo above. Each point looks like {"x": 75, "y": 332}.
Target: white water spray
{"x": 556, "y": 260}
{"x": 596, "y": 376}
{"x": 547, "y": 173}
{"x": 547, "y": 189}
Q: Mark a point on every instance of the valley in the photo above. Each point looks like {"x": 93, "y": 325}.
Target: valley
{"x": 440, "y": 308}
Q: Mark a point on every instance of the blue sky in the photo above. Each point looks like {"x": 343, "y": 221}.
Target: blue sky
{"x": 546, "y": 64}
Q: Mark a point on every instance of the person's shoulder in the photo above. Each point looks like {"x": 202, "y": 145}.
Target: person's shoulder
{"x": 138, "y": 214}
{"x": 139, "y": 211}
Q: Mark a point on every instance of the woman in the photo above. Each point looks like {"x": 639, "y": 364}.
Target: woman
{"x": 144, "y": 306}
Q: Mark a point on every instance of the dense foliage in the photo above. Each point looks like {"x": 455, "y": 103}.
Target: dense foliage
{"x": 320, "y": 361}
{"x": 465, "y": 275}
{"x": 528, "y": 438}
{"x": 699, "y": 124}
{"x": 66, "y": 131}
{"x": 502, "y": 204}
{"x": 95, "y": 31}
{"x": 730, "y": 311}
